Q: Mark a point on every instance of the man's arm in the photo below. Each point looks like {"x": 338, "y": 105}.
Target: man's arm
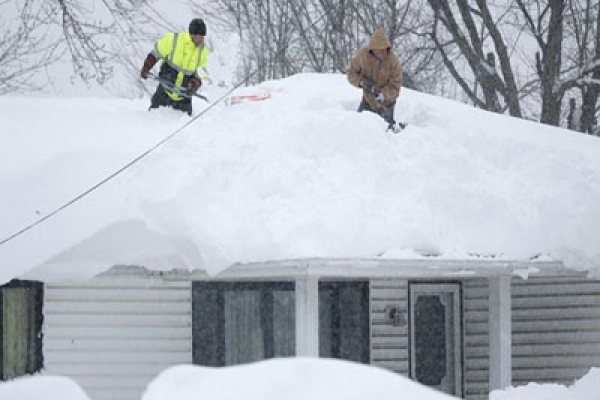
{"x": 354, "y": 71}
{"x": 161, "y": 50}
{"x": 391, "y": 90}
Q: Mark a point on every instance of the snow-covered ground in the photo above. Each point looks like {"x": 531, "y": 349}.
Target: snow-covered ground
{"x": 290, "y": 379}
{"x": 41, "y": 388}
{"x": 301, "y": 174}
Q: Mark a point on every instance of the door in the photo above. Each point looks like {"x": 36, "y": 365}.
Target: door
{"x": 436, "y": 337}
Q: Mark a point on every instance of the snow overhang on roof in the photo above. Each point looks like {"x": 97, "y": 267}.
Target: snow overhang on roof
{"x": 385, "y": 268}
{"x": 336, "y": 268}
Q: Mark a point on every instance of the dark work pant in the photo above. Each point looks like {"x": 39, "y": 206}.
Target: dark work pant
{"x": 386, "y": 113}
{"x": 162, "y": 99}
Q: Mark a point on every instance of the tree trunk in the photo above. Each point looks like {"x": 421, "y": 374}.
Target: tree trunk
{"x": 590, "y": 94}
{"x": 551, "y": 64}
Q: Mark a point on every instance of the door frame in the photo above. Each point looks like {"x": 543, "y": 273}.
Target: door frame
{"x": 416, "y": 288}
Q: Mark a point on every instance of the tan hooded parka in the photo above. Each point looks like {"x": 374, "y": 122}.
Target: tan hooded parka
{"x": 386, "y": 74}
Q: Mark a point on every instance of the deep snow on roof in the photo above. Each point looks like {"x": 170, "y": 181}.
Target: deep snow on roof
{"x": 299, "y": 175}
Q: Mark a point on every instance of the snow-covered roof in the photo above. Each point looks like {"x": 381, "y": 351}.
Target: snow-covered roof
{"x": 299, "y": 175}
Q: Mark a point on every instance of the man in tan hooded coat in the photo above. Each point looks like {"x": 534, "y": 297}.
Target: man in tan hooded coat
{"x": 378, "y": 72}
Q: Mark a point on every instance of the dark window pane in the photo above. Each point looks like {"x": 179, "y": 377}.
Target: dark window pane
{"x": 344, "y": 321}
{"x": 430, "y": 340}
{"x": 284, "y": 323}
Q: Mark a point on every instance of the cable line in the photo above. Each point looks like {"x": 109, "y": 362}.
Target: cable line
{"x": 145, "y": 153}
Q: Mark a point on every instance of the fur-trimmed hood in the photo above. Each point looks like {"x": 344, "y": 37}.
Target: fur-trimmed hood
{"x": 379, "y": 41}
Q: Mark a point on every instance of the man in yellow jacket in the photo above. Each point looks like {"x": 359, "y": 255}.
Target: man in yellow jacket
{"x": 378, "y": 72}
{"x": 181, "y": 54}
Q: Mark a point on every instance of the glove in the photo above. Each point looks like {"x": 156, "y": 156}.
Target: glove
{"x": 367, "y": 84}
{"x": 380, "y": 98}
{"x": 148, "y": 64}
{"x": 193, "y": 86}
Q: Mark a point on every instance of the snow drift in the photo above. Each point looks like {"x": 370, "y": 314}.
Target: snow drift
{"x": 301, "y": 174}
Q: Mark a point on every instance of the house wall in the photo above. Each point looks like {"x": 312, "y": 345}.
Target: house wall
{"x": 389, "y": 343}
{"x": 556, "y": 328}
{"x": 113, "y": 337}
{"x": 476, "y": 339}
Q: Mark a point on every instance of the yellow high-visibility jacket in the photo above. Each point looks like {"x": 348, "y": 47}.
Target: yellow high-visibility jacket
{"x": 181, "y": 59}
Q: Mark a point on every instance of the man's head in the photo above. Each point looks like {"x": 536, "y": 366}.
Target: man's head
{"x": 379, "y": 45}
{"x": 197, "y": 30}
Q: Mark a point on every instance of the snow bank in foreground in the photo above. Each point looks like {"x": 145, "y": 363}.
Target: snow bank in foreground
{"x": 291, "y": 379}
{"x": 587, "y": 388}
{"x": 42, "y": 388}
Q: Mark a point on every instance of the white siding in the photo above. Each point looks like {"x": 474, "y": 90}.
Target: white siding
{"x": 389, "y": 343}
{"x": 113, "y": 337}
{"x": 476, "y": 338}
{"x": 556, "y": 328}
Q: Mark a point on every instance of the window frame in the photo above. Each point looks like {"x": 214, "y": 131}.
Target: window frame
{"x": 265, "y": 288}
{"x": 362, "y": 287}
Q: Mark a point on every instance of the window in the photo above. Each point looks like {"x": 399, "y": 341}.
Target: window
{"x": 344, "y": 321}
{"x": 20, "y": 328}
{"x": 241, "y": 322}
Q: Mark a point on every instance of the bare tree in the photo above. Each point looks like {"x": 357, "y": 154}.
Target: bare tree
{"x": 583, "y": 57}
{"x": 266, "y": 30}
{"x": 327, "y": 32}
{"x": 547, "y": 28}
{"x": 564, "y": 56}
{"x": 47, "y": 31}
{"x": 283, "y": 37}
{"x": 23, "y": 50}
{"x": 470, "y": 29}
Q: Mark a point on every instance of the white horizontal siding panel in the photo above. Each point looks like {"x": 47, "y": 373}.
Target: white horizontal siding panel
{"x": 562, "y": 376}
{"x": 533, "y": 288}
{"x": 130, "y": 369}
{"x": 476, "y": 317}
{"x": 121, "y": 307}
{"x": 106, "y": 332}
{"x": 389, "y": 343}
{"x": 117, "y": 294}
{"x": 114, "y": 337}
{"x": 568, "y": 313}
{"x": 562, "y": 325}
{"x": 562, "y": 337}
{"x": 393, "y": 365}
{"x": 563, "y": 361}
{"x": 379, "y": 304}
{"x": 388, "y": 330}
{"x": 148, "y": 320}
{"x": 556, "y": 328}
{"x": 556, "y": 301}
{"x": 118, "y": 344}
{"x": 545, "y": 349}
{"x": 477, "y": 364}
{"x": 394, "y": 340}
{"x": 476, "y": 339}
{"x": 477, "y": 351}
